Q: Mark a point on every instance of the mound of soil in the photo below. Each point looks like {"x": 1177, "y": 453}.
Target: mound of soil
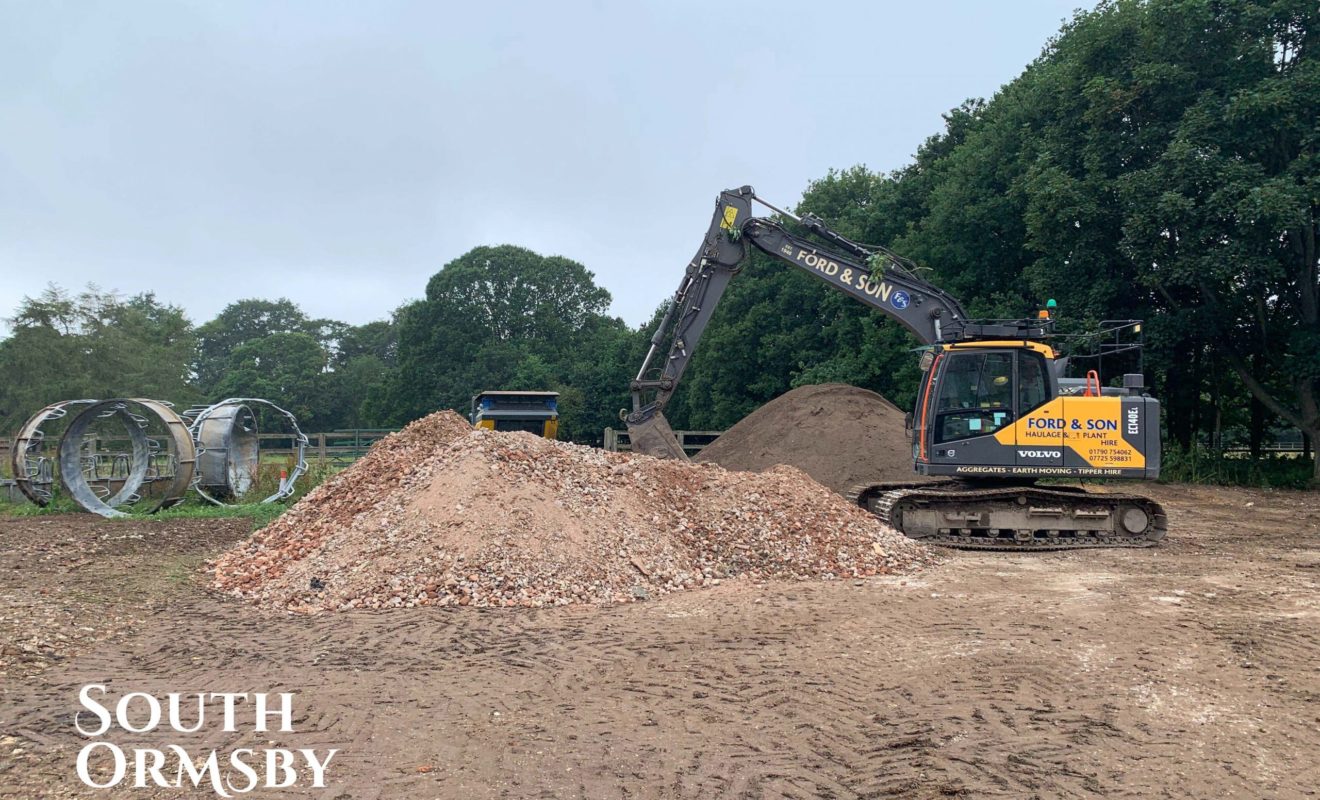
{"x": 838, "y": 434}
{"x": 442, "y": 514}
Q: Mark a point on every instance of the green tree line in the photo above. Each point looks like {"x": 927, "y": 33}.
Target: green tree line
{"x": 495, "y": 318}
{"x": 1157, "y": 161}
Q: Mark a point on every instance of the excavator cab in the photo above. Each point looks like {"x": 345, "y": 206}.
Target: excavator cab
{"x": 994, "y": 408}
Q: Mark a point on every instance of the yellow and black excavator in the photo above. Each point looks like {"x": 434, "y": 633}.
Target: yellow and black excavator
{"x": 993, "y": 413}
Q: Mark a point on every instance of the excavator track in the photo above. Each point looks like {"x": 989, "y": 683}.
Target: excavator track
{"x": 955, "y": 514}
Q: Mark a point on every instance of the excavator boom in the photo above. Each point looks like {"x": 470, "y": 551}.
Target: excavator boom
{"x": 872, "y": 275}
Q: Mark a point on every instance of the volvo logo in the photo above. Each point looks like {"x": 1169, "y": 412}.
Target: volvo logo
{"x": 1040, "y": 454}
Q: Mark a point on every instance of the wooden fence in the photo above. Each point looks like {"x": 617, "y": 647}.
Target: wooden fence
{"x": 8, "y": 491}
{"x": 332, "y": 448}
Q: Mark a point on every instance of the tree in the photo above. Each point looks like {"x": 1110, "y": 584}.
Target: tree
{"x": 352, "y": 363}
{"x": 363, "y": 366}
{"x": 1225, "y": 222}
{"x": 241, "y": 322}
{"x": 93, "y": 345}
{"x": 289, "y": 370}
{"x": 378, "y": 339}
{"x": 507, "y": 318}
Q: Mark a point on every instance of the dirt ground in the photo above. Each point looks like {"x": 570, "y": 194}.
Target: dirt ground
{"x": 1189, "y": 670}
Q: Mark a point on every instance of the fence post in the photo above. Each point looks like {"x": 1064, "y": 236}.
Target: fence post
{"x": 320, "y": 447}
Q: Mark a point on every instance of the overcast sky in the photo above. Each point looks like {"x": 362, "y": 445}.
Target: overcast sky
{"x": 340, "y": 153}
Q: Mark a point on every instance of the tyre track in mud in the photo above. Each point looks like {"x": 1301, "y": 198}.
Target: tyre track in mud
{"x": 1185, "y": 671}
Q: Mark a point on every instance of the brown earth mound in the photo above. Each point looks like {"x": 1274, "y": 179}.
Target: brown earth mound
{"x": 838, "y": 434}
{"x": 441, "y": 514}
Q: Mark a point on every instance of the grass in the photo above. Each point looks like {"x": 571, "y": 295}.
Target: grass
{"x": 268, "y": 479}
{"x": 266, "y": 483}
{"x": 261, "y": 514}
{"x": 193, "y": 508}
{"x": 182, "y": 571}
{"x": 22, "y": 508}
{"x": 1203, "y": 466}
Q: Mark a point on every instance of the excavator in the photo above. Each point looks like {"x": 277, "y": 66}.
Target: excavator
{"x": 993, "y": 415}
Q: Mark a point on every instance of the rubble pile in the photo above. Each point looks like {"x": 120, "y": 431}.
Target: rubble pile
{"x": 442, "y": 514}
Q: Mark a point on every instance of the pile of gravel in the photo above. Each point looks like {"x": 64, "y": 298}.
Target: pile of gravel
{"x": 442, "y": 514}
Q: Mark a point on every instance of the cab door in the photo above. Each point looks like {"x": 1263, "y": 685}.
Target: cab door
{"x": 972, "y": 400}
{"x": 1039, "y": 433}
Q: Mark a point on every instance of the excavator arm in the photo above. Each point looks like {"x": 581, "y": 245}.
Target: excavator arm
{"x": 872, "y": 275}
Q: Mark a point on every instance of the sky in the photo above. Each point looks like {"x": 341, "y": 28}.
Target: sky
{"x": 339, "y": 154}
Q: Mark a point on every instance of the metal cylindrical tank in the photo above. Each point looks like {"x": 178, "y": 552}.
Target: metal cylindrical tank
{"x": 229, "y": 446}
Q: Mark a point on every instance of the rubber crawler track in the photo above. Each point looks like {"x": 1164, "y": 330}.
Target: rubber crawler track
{"x": 883, "y": 499}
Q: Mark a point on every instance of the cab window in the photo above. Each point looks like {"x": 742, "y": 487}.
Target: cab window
{"x": 975, "y": 396}
{"x": 1033, "y": 388}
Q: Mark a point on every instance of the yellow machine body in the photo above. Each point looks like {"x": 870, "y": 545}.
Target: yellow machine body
{"x": 531, "y": 412}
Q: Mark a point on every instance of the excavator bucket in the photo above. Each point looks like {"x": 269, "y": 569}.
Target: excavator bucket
{"x": 654, "y": 437}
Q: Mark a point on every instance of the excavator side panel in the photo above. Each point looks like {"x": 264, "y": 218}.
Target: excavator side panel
{"x": 1087, "y": 436}
{"x": 1093, "y": 435}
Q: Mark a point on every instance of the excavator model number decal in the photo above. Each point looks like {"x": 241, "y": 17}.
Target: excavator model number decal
{"x": 730, "y": 217}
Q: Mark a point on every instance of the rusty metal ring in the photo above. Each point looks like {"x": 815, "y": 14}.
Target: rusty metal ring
{"x": 202, "y": 433}
{"x": 75, "y": 482}
{"x": 228, "y": 451}
{"x": 30, "y": 436}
